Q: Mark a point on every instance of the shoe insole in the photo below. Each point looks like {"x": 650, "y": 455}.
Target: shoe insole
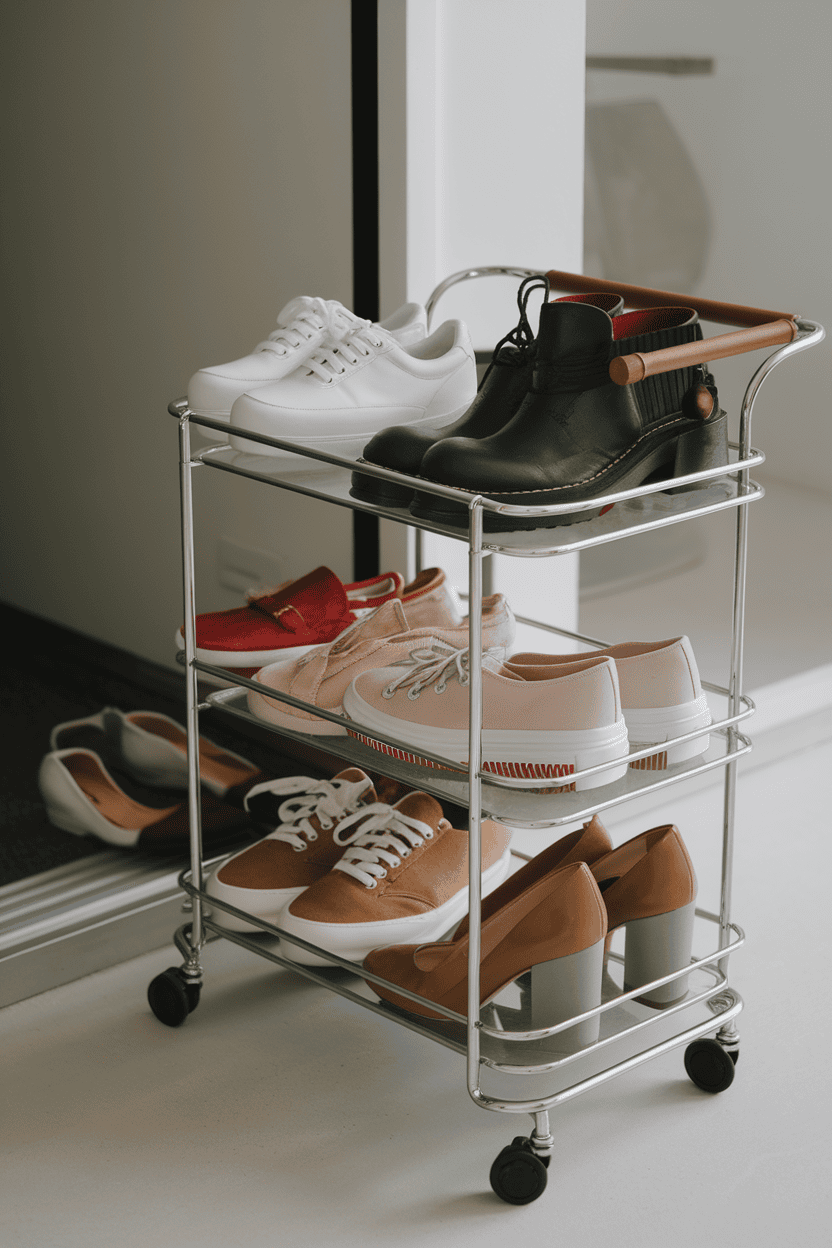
{"x": 106, "y": 744}
{"x": 215, "y": 763}
{"x": 116, "y": 807}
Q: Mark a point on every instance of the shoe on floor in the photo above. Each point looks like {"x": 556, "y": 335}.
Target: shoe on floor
{"x": 299, "y": 850}
{"x": 304, "y": 324}
{"x": 288, "y": 622}
{"x": 347, "y": 391}
{"x": 153, "y": 749}
{"x": 501, "y": 391}
{"x": 538, "y": 722}
{"x": 554, "y": 927}
{"x": 391, "y": 635}
{"x": 577, "y": 434}
{"x": 403, "y": 876}
{"x": 82, "y": 797}
{"x": 661, "y": 695}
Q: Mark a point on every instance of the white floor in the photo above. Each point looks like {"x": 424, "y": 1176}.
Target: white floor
{"x": 281, "y": 1115}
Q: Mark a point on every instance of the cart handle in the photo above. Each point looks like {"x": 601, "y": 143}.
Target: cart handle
{"x": 763, "y": 328}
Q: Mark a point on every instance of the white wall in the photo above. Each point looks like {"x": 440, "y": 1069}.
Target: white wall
{"x": 492, "y": 173}
{"x": 758, "y": 131}
{"x": 174, "y": 173}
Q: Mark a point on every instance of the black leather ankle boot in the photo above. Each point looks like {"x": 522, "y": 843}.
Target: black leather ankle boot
{"x": 577, "y": 434}
{"x": 500, "y": 393}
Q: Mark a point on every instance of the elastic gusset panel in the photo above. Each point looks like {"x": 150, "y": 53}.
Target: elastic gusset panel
{"x": 662, "y": 394}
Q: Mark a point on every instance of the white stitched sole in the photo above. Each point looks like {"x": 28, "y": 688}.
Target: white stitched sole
{"x": 354, "y": 941}
{"x": 521, "y": 754}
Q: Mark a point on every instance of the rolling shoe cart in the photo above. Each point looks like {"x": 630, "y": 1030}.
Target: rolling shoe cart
{"x": 499, "y": 1040}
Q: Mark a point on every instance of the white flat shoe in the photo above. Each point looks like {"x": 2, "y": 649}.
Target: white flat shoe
{"x": 302, "y": 326}
{"x": 82, "y": 797}
{"x": 152, "y": 748}
{"x": 348, "y": 391}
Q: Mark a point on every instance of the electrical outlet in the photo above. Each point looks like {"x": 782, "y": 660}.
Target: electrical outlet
{"x": 240, "y": 568}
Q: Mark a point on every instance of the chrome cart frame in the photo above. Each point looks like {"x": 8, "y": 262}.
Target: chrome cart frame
{"x": 493, "y": 1037}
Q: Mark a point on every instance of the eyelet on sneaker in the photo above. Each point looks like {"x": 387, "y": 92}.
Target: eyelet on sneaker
{"x": 373, "y": 885}
{"x": 397, "y": 863}
{"x": 313, "y": 836}
{"x": 413, "y": 693}
{"x": 299, "y": 848}
{"x": 428, "y": 836}
{"x": 440, "y": 688}
{"x": 387, "y": 692}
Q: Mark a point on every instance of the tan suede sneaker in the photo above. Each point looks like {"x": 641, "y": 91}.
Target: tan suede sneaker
{"x": 300, "y": 850}
{"x": 403, "y": 878}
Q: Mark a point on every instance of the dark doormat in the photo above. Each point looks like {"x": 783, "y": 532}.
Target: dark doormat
{"x": 53, "y": 674}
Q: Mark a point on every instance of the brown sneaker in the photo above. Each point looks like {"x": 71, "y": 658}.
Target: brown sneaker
{"x": 403, "y": 878}
{"x": 305, "y": 813}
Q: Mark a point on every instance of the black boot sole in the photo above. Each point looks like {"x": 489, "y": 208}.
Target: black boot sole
{"x": 382, "y": 493}
{"x": 663, "y": 456}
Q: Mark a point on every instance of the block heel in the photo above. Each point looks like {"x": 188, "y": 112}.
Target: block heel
{"x": 567, "y": 986}
{"x": 656, "y": 946}
{"x": 700, "y": 449}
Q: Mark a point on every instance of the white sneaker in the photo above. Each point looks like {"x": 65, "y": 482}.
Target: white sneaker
{"x": 302, "y": 326}
{"x": 348, "y": 391}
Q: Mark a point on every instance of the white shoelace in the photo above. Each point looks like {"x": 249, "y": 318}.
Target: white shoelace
{"x": 435, "y": 664}
{"x": 384, "y": 836}
{"x": 327, "y": 800}
{"x": 308, "y": 316}
{"x": 334, "y": 359}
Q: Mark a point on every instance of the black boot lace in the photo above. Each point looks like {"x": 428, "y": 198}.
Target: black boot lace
{"x": 522, "y": 336}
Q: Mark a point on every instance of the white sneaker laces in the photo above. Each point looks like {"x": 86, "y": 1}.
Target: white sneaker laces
{"x": 435, "y": 664}
{"x": 334, "y": 359}
{"x": 384, "y": 836}
{"x": 307, "y": 316}
{"x": 327, "y": 800}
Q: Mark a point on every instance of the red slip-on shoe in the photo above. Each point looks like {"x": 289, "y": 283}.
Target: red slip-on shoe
{"x": 292, "y": 619}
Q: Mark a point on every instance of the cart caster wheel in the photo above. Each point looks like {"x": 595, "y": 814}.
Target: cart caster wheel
{"x": 171, "y": 997}
{"x": 709, "y": 1066}
{"x": 518, "y": 1175}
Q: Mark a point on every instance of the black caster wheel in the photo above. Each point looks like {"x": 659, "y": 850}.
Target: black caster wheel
{"x": 709, "y": 1065}
{"x": 171, "y": 997}
{"x": 518, "y": 1175}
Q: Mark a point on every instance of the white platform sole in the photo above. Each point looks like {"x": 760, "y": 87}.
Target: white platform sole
{"x": 658, "y": 724}
{"x": 348, "y": 445}
{"x": 521, "y": 754}
{"x": 353, "y": 941}
{"x": 273, "y": 712}
{"x": 265, "y": 903}
{"x": 232, "y": 659}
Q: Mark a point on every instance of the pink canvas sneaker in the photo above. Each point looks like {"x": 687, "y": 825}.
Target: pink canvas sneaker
{"x": 391, "y": 635}
{"x": 294, "y": 618}
{"x": 538, "y": 723}
{"x": 661, "y": 695}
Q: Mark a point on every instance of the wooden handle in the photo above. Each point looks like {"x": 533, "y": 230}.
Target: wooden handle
{"x": 645, "y": 297}
{"x": 625, "y": 369}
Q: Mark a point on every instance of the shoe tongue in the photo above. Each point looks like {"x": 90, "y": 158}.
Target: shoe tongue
{"x": 303, "y": 303}
{"x": 354, "y": 775}
{"x": 317, "y": 597}
{"x": 421, "y": 806}
{"x": 387, "y": 621}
